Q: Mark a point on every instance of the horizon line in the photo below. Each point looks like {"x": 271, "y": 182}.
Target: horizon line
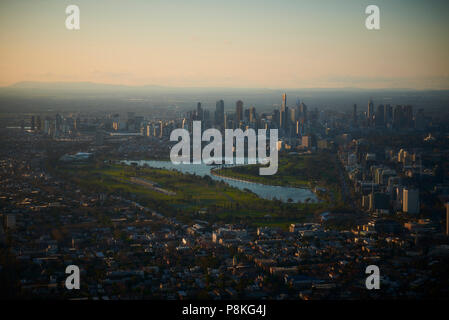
{"x": 16, "y": 85}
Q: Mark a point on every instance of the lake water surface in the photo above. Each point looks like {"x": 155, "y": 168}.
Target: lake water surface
{"x": 264, "y": 191}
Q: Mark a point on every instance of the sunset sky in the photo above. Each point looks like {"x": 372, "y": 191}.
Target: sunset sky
{"x": 245, "y": 43}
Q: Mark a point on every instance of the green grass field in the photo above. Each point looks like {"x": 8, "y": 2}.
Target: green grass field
{"x": 222, "y": 202}
{"x": 293, "y": 171}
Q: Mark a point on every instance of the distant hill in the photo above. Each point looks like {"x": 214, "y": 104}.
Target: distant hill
{"x": 76, "y": 86}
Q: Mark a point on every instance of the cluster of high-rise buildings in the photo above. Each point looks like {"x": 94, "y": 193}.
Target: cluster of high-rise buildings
{"x": 57, "y": 126}
{"x": 290, "y": 121}
{"x": 388, "y": 183}
{"x": 386, "y": 116}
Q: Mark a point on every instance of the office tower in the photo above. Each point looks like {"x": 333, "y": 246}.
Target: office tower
{"x": 284, "y": 101}
{"x": 130, "y": 124}
{"x": 293, "y": 116}
{"x": 388, "y": 114}
{"x": 246, "y": 115}
{"x": 190, "y": 115}
{"x": 297, "y": 104}
{"x": 58, "y": 122}
{"x": 397, "y": 117}
{"x": 229, "y": 121}
{"x": 370, "y": 112}
{"x": 206, "y": 115}
{"x": 408, "y": 116}
{"x": 226, "y": 117}
{"x": 199, "y": 111}
{"x": 47, "y": 124}
{"x": 219, "y": 113}
{"x": 404, "y": 156}
{"x": 306, "y": 141}
{"x": 276, "y": 117}
{"x": 303, "y": 111}
{"x": 238, "y": 112}
{"x": 39, "y": 123}
{"x": 32, "y": 123}
{"x": 283, "y": 112}
{"x": 161, "y": 133}
{"x": 370, "y": 109}
{"x": 115, "y": 122}
{"x": 354, "y": 115}
{"x": 379, "y": 116}
{"x": 410, "y": 201}
{"x": 252, "y": 114}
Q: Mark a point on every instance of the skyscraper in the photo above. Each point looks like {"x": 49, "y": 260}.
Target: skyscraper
{"x": 397, "y": 117}
{"x": 283, "y": 112}
{"x": 354, "y": 115}
{"x": 388, "y": 114}
{"x": 39, "y": 123}
{"x": 246, "y": 115}
{"x": 219, "y": 113}
{"x": 238, "y": 112}
{"x": 199, "y": 111}
{"x": 303, "y": 111}
{"x": 58, "y": 122}
{"x": 370, "y": 112}
{"x": 407, "y": 112}
{"x": 252, "y": 114}
{"x": 380, "y": 117}
{"x": 410, "y": 201}
{"x": 276, "y": 116}
{"x": 293, "y": 116}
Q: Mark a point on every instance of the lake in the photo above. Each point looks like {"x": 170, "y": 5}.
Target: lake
{"x": 263, "y": 191}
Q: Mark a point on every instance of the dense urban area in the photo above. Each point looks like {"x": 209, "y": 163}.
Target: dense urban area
{"x": 79, "y": 188}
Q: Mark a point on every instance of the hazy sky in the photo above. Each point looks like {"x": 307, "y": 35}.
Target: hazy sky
{"x": 245, "y": 43}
